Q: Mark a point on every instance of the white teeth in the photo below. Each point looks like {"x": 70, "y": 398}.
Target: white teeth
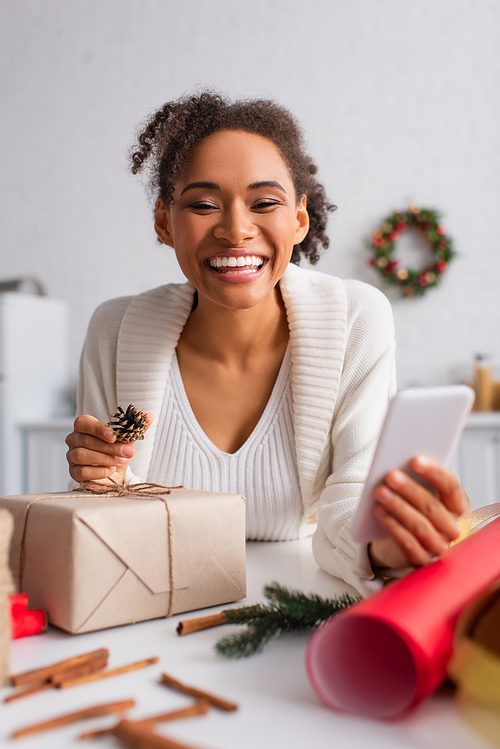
{"x": 236, "y": 262}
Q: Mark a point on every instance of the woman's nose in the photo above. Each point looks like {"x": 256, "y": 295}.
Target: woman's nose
{"x": 235, "y": 225}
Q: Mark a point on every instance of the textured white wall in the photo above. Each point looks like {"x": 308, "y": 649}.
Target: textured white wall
{"x": 399, "y": 98}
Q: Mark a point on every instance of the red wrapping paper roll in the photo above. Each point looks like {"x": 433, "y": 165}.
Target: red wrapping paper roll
{"x": 381, "y": 657}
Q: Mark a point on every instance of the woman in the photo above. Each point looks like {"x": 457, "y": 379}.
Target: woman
{"x": 260, "y": 378}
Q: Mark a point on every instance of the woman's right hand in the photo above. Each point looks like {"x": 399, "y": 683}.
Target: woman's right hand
{"x": 94, "y": 452}
{"x": 420, "y": 523}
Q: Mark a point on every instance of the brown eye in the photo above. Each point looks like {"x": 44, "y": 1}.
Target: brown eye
{"x": 203, "y": 206}
{"x": 263, "y": 204}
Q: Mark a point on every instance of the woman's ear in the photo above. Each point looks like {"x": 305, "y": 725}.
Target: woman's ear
{"x": 302, "y": 218}
{"x": 162, "y": 223}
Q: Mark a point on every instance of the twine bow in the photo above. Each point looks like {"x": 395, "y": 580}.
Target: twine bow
{"x": 145, "y": 489}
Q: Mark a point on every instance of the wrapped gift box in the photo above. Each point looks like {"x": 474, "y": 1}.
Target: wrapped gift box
{"x": 5, "y": 589}
{"x": 94, "y": 561}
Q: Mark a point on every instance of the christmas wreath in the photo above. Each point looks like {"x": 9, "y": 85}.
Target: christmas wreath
{"x": 383, "y": 246}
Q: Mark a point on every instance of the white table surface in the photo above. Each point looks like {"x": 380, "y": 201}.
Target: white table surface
{"x": 278, "y": 707}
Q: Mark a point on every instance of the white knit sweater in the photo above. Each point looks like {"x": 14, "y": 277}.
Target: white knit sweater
{"x": 263, "y": 469}
{"x": 343, "y": 376}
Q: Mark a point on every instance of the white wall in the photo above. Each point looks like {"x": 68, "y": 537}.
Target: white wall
{"x": 399, "y": 98}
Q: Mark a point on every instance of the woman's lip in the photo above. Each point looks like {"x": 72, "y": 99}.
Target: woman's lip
{"x": 237, "y": 275}
{"x": 235, "y": 253}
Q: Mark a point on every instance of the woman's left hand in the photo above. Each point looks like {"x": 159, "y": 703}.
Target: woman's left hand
{"x": 420, "y": 523}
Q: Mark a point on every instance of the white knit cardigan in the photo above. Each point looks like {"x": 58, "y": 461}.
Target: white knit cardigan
{"x": 343, "y": 376}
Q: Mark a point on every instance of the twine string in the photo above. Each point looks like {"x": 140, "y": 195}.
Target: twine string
{"x": 170, "y": 560}
{"x": 143, "y": 490}
{"x": 22, "y": 553}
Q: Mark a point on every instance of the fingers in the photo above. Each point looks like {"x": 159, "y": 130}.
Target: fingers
{"x": 420, "y": 521}
{"x": 94, "y": 452}
{"x": 92, "y": 473}
{"x": 417, "y": 500}
{"x": 86, "y": 424}
{"x": 149, "y": 419}
{"x": 414, "y": 535}
{"x": 443, "y": 480}
{"x": 417, "y": 537}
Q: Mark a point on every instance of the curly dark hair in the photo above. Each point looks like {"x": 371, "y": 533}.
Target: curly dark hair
{"x": 173, "y": 132}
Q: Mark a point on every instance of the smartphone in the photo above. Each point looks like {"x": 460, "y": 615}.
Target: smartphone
{"x": 419, "y": 421}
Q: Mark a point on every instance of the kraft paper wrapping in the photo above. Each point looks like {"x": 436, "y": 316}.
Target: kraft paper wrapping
{"x": 381, "y": 657}
{"x": 6, "y": 588}
{"x": 95, "y": 562}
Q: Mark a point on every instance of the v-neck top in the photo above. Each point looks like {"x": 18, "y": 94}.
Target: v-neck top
{"x": 263, "y": 469}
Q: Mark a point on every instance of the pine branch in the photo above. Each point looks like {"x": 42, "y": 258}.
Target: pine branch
{"x": 310, "y": 609}
{"x": 248, "y": 642}
{"x": 287, "y": 611}
{"x": 245, "y": 614}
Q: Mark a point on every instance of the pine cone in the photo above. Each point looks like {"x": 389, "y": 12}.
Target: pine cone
{"x": 128, "y": 425}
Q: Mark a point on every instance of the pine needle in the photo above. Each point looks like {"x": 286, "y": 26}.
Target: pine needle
{"x": 287, "y": 611}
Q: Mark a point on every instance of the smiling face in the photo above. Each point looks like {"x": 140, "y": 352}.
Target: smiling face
{"x": 234, "y": 220}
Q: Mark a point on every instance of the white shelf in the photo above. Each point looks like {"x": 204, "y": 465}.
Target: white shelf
{"x": 483, "y": 419}
{"x": 477, "y": 459}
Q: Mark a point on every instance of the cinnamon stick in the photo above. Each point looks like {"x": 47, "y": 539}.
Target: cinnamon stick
{"x": 222, "y": 704}
{"x": 140, "y": 737}
{"x": 42, "y": 674}
{"x": 200, "y": 707}
{"x": 187, "y": 626}
{"x": 55, "y": 680}
{"x": 106, "y": 674}
{"x": 28, "y": 692}
{"x": 63, "y": 720}
{"x": 202, "y": 622}
{"x": 90, "y": 667}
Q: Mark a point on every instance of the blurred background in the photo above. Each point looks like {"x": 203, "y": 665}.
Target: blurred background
{"x": 400, "y": 102}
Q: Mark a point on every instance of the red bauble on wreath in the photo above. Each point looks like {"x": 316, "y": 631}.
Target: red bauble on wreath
{"x": 409, "y": 282}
